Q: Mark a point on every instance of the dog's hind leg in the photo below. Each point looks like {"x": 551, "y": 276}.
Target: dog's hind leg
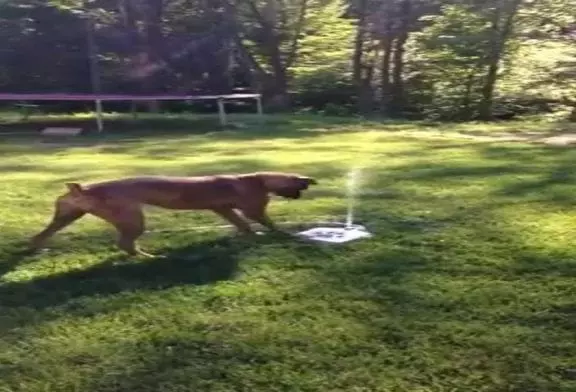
{"x": 65, "y": 214}
{"x": 130, "y": 226}
{"x": 127, "y": 236}
{"x": 128, "y": 219}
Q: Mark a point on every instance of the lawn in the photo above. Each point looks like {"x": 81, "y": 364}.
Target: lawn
{"x": 467, "y": 285}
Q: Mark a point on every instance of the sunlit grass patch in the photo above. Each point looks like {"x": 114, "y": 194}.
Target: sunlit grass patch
{"x": 468, "y": 283}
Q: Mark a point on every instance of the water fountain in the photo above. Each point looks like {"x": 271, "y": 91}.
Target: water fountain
{"x": 349, "y": 231}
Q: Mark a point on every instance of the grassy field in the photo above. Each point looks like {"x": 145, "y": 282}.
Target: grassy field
{"x": 467, "y": 285}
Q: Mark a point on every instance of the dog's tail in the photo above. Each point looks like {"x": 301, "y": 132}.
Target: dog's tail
{"x": 75, "y": 188}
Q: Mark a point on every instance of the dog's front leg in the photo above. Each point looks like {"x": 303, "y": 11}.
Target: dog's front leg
{"x": 258, "y": 214}
{"x": 264, "y": 220}
{"x": 65, "y": 214}
{"x": 233, "y": 217}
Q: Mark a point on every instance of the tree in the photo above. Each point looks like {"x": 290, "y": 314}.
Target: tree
{"x": 452, "y": 59}
{"x": 502, "y": 16}
{"x": 362, "y": 71}
{"x": 268, "y": 35}
{"x": 450, "y": 55}
{"x": 36, "y": 33}
{"x": 384, "y": 29}
{"x": 322, "y": 75}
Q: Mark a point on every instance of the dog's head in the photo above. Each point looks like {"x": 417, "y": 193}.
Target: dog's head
{"x": 289, "y": 186}
{"x": 78, "y": 196}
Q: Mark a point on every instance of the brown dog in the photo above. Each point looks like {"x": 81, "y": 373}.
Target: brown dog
{"x": 120, "y": 202}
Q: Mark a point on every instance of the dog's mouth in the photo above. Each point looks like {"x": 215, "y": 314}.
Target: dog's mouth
{"x": 289, "y": 193}
{"x": 295, "y": 191}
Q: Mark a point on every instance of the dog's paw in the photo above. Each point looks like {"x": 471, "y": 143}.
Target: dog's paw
{"x": 32, "y": 250}
{"x": 146, "y": 255}
{"x": 243, "y": 234}
{"x": 281, "y": 233}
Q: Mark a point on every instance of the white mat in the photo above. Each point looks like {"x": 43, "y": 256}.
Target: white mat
{"x": 336, "y": 235}
{"x": 61, "y": 131}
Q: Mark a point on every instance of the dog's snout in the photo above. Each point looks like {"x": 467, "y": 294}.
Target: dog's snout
{"x": 307, "y": 181}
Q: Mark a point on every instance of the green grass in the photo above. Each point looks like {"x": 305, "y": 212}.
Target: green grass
{"x": 468, "y": 284}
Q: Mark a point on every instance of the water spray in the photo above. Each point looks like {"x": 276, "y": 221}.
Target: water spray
{"x": 352, "y": 187}
{"x": 349, "y": 231}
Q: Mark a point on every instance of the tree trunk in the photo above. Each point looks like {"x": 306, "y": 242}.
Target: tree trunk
{"x": 467, "y": 99}
{"x": 366, "y": 97}
{"x": 385, "y": 84}
{"x": 397, "y": 90}
{"x": 300, "y": 24}
{"x": 147, "y": 45}
{"x": 571, "y": 103}
{"x": 273, "y": 85}
{"x": 487, "y": 103}
{"x": 359, "y": 43}
{"x": 398, "y": 99}
{"x": 357, "y": 66}
{"x": 572, "y": 115}
{"x": 501, "y": 32}
{"x": 127, "y": 12}
{"x": 281, "y": 99}
{"x": 154, "y": 47}
{"x": 277, "y": 93}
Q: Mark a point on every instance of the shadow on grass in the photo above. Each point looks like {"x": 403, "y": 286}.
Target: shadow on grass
{"x": 427, "y": 292}
{"x": 198, "y": 264}
{"x": 240, "y": 126}
{"x": 403, "y": 314}
{"x": 511, "y": 172}
{"x": 192, "y": 363}
{"x": 13, "y": 258}
{"x": 164, "y": 137}
{"x": 121, "y": 123}
{"x": 202, "y": 263}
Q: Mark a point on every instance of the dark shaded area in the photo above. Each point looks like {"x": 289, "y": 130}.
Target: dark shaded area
{"x": 13, "y": 259}
{"x": 123, "y": 135}
{"x": 122, "y": 124}
{"x": 190, "y": 362}
{"x": 426, "y": 172}
{"x": 529, "y": 172}
{"x": 201, "y": 263}
{"x": 416, "y": 311}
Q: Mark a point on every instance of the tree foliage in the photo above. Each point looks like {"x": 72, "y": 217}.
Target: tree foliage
{"x": 447, "y": 59}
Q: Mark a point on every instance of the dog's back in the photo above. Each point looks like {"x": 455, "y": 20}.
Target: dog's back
{"x": 202, "y": 192}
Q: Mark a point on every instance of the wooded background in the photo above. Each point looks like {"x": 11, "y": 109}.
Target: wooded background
{"x": 442, "y": 60}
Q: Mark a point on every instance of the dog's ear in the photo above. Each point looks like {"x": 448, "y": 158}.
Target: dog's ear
{"x": 74, "y": 188}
